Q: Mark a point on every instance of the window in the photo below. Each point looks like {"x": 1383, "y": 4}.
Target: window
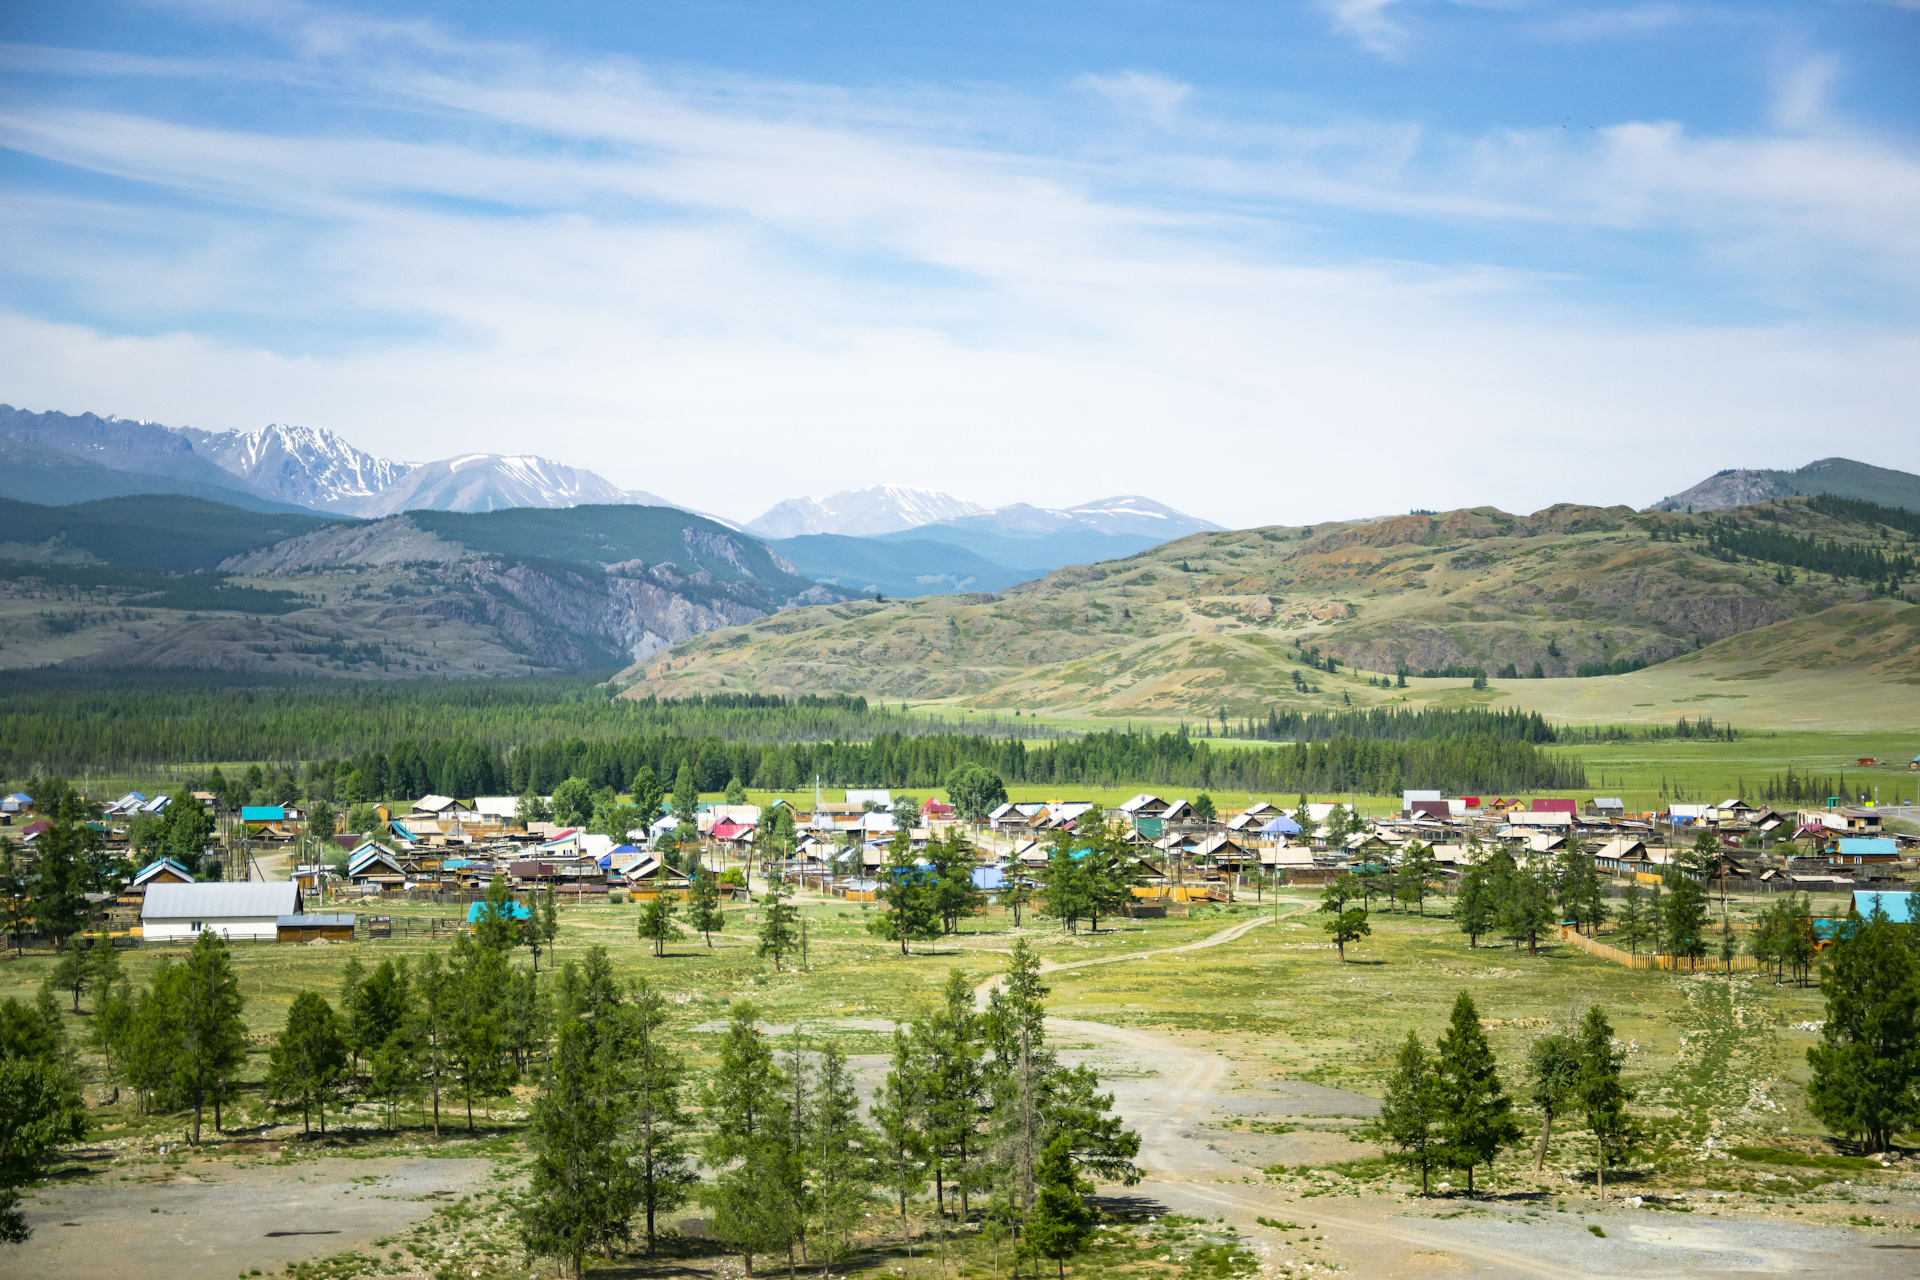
{"x": 197, "y": 925}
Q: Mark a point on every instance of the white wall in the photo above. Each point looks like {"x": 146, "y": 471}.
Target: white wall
{"x": 233, "y": 928}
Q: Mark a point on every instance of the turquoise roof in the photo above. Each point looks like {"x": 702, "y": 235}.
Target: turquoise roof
{"x": 1898, "y": 906}
{"x": 1873, "y": 846}
{"x": 479, "y": 911}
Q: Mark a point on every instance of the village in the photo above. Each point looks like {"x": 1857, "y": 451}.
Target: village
{"x": 266, "y": 875}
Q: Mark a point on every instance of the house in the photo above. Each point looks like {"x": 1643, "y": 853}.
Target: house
{"x": 1222, "y": 850}
{"x": 1277, "y": 828}
{"x": 18, "y": 802}
{"x": 1859, "y": 822}
{"x": 1622, "y": 855}
{"x": 1547, "y": 819}
{"x": 1437, "y": 809}
{"x": 441, "y": 807}
{"x": 1144, "y": 806}
{"x": 127, "y": 804}
{"x": 500, "y": 809}
{"x": 507, "y": 910}
{"x": 262, "y": 817}
{"x": 1861, "y": 851}
{"x": 164, "y": 871}
{"x": 934, "y": 810}
{"x": 1410, "y": 798}
{"x": 1543, "y": 804}
{"x": 236, "y": 910}
{"x": 375, "y": 866}
{"x": 1545, "y": 843}
{"x": 1607, "y": 807}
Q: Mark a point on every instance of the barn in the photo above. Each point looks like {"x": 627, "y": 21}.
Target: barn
{"x": 246, "y": 910}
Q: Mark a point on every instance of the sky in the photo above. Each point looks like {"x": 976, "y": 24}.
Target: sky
{"x": 1268, "y": 262}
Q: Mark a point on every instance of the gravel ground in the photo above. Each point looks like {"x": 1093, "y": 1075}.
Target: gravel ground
{"x": 209, "y": 1219}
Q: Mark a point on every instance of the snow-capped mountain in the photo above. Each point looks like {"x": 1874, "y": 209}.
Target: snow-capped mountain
{"x": 493, "y": 481}
{"x": 861, "y": 513}
{"x": 1130, "y": 515}
{"x": 311, "y": 466}
{"x": 315, "y": 467}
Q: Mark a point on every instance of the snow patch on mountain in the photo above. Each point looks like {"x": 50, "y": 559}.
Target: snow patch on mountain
{"x": 868, "y": 512}
{"x": 311, "y": 466}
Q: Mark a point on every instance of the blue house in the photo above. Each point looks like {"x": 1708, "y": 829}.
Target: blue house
{"x": 513, "y": 910}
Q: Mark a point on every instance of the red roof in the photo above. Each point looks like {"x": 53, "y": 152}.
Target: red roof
{"x": 1554, "y": 806}
{"x": 728, "y": 829}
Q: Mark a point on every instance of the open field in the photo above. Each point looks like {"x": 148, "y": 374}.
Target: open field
{"x": 1248, "y": 1062}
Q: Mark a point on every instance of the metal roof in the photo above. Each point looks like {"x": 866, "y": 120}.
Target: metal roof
{"x": 220, "y": 901}
{"x": 305, "y": 921}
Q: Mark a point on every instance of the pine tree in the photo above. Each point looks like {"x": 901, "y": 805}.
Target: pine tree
{"x": 40, "y": 1112}
{"x": 1632, "y": 928}
{"x": 432, "y": 1028}
{"x": 779, "y": 924}
{"x": 204, "y": 1003}
{"x": 657, "y": 926}
{"x": 686, "y": 804}
{"x": 1476, "y": 1115}
{"x": 1553, "y": 1073}
{"x": 577, "y": 1194}
{"x": 949, "y": 1048}
{"x": 911, "y": 915}
{"x": 1060, "y": 1222}
{"x": 1866, "y": 1068}
{"x": 1417, "y": 871}
{"x": 837, "y": 1159}
{"x": 749, "y": 1143}
{"x": 899, "y": 1108}
{"x": 308, "y": 1059}
{"x": 659, "y": 1126}
{"x": 1604, "y": 1096}
{"x": 1526, "y": 910}
{"x": 1685, "y": 923}
{"x": 1065, "y": 892}
{"x": 476, "y": 1043}
{"x": 1474, "y": 906}
{"x": 1409, "y": 1119}
{"x": 703, "y": 904}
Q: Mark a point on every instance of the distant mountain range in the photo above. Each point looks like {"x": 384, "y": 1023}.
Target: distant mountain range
{"x": 849, "y": 540}
{"x": 175, "y": 582}
{"x": 1841, "y": 477}
{"x": 860, "y": 513}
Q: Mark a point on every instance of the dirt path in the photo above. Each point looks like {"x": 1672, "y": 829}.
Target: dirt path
{"x": 1172, "y": 1092}
{"x": 1229, "y": 934}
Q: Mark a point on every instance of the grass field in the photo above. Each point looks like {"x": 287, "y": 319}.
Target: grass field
{"x": 1718, "y": 1062}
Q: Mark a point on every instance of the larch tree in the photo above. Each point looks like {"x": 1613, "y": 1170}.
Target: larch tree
{"x": 309, "y": 1060}
{"x": 1603, "y": 1095}
{"x": 1060, "y": 1221}
{"x": 1866, "y": 1068}
{"x": 1409, "y": 1119}
{"x": 1476, "y": 1115}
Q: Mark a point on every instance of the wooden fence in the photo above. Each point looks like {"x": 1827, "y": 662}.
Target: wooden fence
{"x": 1645, "y": 960}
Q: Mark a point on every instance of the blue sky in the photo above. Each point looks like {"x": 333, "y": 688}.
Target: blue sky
{"x": 1269, "y": 263}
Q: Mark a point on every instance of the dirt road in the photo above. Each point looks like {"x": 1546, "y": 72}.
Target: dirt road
{"x": 1171, "y": 1090}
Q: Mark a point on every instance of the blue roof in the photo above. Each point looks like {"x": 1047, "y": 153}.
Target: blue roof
{"x": 263, "y": 813}
{"x": 1873, "y": 845}
{"x": 1281, "y": 826}
{"x": 479, "y": 911}
{"x": 1898, "y": 906}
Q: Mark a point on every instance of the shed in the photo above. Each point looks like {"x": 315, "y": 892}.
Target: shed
{"x": 305, "y": 928}
{"x": 242, "y": 910}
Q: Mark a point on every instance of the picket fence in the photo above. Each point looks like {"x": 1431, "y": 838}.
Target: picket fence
{"x": 1706, "y": 964}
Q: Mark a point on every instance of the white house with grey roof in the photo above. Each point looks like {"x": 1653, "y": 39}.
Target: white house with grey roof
{"x": 244, "y": 910}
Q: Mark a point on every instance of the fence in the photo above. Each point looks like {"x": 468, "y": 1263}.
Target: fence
{"x": 1708, "y": 964}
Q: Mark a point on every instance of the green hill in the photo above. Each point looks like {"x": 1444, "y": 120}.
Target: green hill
{"x": 168, "y": 532}
{"x": 1309, "y": 617}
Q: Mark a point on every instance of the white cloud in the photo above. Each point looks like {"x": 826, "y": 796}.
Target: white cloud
{"x": 1371, "y": 23}
{"x": 730, "y": 292}
{"x": 1155, "y": 97}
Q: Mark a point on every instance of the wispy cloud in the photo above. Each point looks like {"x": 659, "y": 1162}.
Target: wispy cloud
{"x": 1372, "y": 23}
{"x": 699, "y": 281}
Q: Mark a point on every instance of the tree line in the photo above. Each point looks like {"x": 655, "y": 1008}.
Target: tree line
{"x": 65, "y": 722}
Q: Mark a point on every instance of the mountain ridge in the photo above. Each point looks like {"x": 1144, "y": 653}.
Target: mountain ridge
{"x": 1840, "y": 477}
{"x": 1246, "y": 620}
